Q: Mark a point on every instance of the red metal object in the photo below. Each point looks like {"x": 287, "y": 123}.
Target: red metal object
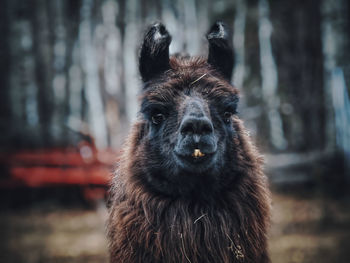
{"x": 84, "y": 166}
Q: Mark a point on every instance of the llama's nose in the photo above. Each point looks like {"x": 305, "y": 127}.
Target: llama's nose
{"x": 196, "y": 133}
{"x": 193, "y": 125}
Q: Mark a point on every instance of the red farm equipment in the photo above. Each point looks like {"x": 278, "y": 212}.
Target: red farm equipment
{"x": 83, "y": 166}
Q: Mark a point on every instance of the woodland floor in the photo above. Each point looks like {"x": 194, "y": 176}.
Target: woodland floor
{"x": 306, "y": 228}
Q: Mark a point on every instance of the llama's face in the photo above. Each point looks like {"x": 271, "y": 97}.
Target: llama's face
{"x": 188, "y": 109}
{"x": 189, "y": 123}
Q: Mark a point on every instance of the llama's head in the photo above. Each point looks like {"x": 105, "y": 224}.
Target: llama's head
{"x": 187, "y": 142}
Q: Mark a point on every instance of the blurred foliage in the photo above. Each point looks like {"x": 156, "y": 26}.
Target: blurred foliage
{"x": 69, "y": 68}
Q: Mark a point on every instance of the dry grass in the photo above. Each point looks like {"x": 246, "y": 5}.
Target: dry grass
{"x": 305, "y": 229}
{"x": 309, "y": 230}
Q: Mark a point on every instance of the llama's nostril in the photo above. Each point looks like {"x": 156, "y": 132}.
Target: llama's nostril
{"x": 187, "y": 128}
{"x": 194, "y": 125}
{"x": 206, "y": 128}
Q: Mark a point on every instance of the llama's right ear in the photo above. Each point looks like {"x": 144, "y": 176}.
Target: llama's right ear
{"x": 154, "y": 56}
{"x": 220, "y": 49}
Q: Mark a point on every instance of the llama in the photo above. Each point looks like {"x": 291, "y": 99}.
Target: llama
{"x": 189, "y": 186}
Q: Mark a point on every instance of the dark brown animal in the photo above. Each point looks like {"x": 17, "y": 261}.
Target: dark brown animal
{"x": 190, "y": 186}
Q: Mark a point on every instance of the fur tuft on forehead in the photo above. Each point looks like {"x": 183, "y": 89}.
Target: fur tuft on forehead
{"x": 188, "y": 74}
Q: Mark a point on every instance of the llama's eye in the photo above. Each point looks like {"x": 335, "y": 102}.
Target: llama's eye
{"x": 227, "y": 116}
{"x": 158, "y": 118}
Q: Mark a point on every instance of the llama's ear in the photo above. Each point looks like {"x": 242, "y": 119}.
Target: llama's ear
{"x": 220, "y": 49}
{"x": 154, "y": 56}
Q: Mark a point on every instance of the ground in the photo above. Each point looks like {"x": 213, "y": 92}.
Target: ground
{"x": 309, "y": 229}
{"x": 305, "y": 228}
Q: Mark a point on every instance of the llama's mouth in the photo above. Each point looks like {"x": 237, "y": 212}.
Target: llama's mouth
{"x": 197, "y": 153}
{"x": 195, "y": 160}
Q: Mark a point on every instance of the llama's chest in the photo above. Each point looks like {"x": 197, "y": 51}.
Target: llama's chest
{"x": 181, "y": 235}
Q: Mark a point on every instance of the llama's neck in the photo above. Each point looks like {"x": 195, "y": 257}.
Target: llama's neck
{"x": 222, "y": 227}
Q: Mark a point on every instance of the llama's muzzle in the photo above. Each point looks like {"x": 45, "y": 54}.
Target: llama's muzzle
{"x": 197, "y": 153}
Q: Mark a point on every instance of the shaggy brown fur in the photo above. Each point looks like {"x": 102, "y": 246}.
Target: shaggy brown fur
{"x": 229, "y": 225}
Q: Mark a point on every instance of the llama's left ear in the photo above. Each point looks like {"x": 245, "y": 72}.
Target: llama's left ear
{"x": 154, "y": 56}
{"x": 220, "y": 49}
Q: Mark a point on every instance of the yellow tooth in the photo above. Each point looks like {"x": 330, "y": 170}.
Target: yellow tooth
{"x": 197, "y": 153}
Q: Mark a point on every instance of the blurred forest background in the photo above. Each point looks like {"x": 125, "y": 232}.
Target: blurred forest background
{"x": 69, "y": 85}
